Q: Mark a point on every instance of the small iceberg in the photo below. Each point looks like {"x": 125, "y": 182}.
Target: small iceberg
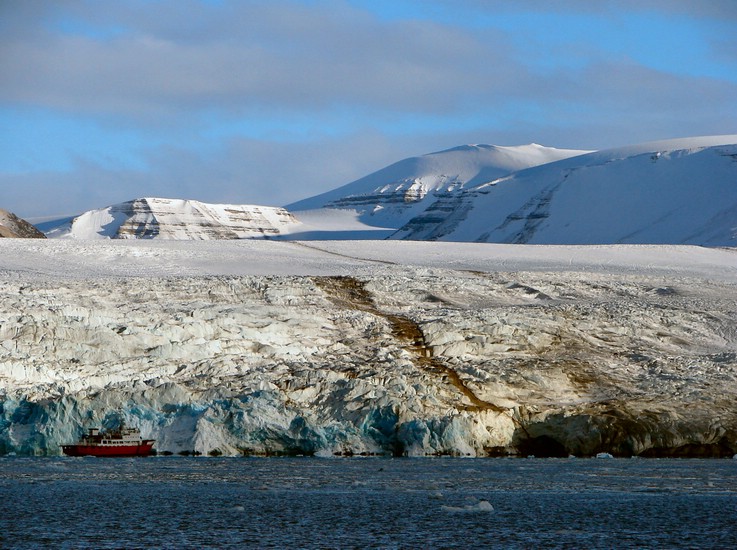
{"x": 604, "y": 455}
{"x": 480, "y": 506}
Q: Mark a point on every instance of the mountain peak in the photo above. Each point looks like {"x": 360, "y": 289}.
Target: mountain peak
{"x": 678, "y": 191}
{"x": 393, "y": 195}
{"x": 667, "y": 192}
{"x": 152, "y": 217}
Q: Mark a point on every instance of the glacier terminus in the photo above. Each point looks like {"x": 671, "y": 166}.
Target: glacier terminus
{"x": 370, "y": 347}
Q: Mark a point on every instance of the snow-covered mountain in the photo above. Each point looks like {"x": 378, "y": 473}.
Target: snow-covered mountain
{"x": 14, "y": 227}
{"x": 679, "y": 192}
{"x": 393, "y": 195}
{"x": 388, "y": 347}
{"x": 176, "y": 219}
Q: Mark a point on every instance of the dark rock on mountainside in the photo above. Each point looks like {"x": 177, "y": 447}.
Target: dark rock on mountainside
{"x": 12, "y": 226}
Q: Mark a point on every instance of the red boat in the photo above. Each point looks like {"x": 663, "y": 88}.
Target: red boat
{"x": 121, "y": 442}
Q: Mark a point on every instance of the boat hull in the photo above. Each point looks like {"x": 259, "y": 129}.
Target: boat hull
{"x": 142, "y": 449}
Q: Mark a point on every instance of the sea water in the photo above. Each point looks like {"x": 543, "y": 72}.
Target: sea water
{"x": 168, "y": 502}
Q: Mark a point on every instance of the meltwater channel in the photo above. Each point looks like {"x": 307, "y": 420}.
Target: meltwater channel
{"x": 168, "y": 502}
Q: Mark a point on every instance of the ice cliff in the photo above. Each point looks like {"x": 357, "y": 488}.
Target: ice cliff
{"x": 395, "y": 359}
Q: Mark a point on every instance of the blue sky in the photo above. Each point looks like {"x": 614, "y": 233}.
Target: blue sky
{"x": 270, "y": 102}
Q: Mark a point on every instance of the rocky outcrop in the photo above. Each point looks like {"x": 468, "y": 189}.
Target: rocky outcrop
{"x": 406, "y": 362}
{"x": 11, "y": 226}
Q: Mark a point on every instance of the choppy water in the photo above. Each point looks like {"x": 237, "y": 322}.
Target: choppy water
{"x": 366, "y": 503}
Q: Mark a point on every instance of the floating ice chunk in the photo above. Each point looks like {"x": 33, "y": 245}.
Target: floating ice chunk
{"x": 480, "y": 506}
{"x": 484, "y": 506}
{"x": 604, "y": 455}
{"x": 453, "y": 509}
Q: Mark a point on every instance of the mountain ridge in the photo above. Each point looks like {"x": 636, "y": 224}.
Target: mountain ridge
{"x": 401, "y": 189}
{"x": 678, "y": 191}
{"x": 645, "y": 194}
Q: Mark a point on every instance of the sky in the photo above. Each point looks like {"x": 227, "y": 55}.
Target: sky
{"x": 269, "y": 102}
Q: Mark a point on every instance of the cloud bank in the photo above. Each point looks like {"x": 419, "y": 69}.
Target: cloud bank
{"x": 269, "y": 102}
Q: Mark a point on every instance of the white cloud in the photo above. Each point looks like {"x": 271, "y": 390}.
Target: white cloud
{"x": 174, "y": 62}
{"x": 695, "y": 8}
{"x": 283, "y": 55}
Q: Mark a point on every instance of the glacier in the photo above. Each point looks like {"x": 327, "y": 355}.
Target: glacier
{"x": 388, "y": 348}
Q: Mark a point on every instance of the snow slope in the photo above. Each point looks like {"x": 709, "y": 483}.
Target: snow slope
{"x": 370, "y": 347}
{"x": 390, "y": 196}
{"x": 149, "y": 218}
{"x": 679, "y": 192}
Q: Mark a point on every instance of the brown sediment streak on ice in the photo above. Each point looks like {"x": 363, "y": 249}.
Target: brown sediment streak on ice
{"x": 351, "y": 293}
